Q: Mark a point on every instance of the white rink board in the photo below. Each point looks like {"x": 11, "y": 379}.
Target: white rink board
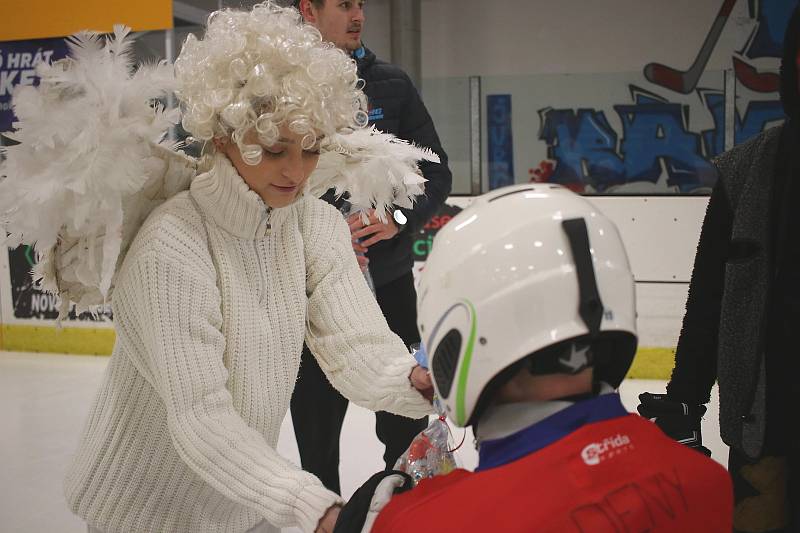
{"x": 660, "y": 233}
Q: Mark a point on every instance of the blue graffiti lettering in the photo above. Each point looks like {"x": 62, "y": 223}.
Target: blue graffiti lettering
{"x": 583, "y": 143}
{"x": 714, "y": 139}
{"x": 654, "y": 130}
{"x": 501, "y": 147}
{"x": 656, "y": 145}
{"x": 758, "y": 116}
{"x": 772, "y": 16}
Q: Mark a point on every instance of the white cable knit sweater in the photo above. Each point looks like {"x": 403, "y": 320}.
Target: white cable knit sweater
{"x": 210, "y": 326}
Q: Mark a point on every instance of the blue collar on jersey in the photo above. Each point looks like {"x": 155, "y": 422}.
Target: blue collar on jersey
{"x": 359, "y": 53}
{"x": 502, "y": 451}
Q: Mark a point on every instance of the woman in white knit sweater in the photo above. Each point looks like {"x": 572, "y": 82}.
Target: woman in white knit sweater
{"x": 220, "y": 288}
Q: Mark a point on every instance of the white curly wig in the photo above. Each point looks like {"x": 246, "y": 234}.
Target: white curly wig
{"x": 261, "y": 69}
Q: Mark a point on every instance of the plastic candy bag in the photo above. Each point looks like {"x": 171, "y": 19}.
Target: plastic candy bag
{"x": 431, "y": 452}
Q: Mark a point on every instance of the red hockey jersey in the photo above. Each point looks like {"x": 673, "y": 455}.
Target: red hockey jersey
{"x": 618, "y": 475}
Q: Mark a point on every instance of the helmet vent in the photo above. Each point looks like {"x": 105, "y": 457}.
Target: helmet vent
{"x": 511, "y": 193}
{"x": 445, "y": 361}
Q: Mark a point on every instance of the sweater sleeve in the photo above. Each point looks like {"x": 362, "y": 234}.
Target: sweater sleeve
{"x": 168, "y": 309}
{"x": 696, "y": 355}
{"x": 346, "y": 330}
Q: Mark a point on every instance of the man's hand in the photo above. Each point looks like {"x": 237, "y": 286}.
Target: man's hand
{"x": 421, "y": 380}
{"x": 374, "y": 231}
{"x": 328, "y": 520}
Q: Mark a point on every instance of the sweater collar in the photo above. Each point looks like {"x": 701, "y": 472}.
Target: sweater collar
{"x": 225, "y": 198}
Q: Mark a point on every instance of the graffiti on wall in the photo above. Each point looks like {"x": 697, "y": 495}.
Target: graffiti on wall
{"x": 654, "y": 150}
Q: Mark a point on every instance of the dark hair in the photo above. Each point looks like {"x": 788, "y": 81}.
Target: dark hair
{"x": 611, "y": 356}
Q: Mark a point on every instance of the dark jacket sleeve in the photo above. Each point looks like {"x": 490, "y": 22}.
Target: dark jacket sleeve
{"x": 354, "y": 514}
{"x": 696, "y": 356}
{"x": 417, "y": 126}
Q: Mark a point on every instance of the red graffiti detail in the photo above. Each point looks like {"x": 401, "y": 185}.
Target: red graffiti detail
{"x": 543, "y": 173}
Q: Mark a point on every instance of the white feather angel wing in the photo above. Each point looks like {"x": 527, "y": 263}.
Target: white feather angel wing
{"x": 377, "y": 169}
{"x": 89, "y": 166}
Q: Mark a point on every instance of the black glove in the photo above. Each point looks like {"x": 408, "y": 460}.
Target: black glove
{"x": 678, "y": 420}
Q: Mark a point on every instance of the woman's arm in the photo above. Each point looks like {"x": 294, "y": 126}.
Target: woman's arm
{"x": 346, "y": 331}
{"x": 167, "y": 308}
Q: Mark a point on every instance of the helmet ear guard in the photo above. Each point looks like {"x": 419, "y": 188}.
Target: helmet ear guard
{"x": 452, "y": 339}
{"x": 445, "y": 361}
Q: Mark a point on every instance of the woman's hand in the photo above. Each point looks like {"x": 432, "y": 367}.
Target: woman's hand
{"x": 328, "y": 520}
{"x": 421, "y": 380}
{"x": 364, "y": 236}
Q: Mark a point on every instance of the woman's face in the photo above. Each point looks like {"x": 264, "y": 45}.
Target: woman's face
{"x": 283, "y": 170}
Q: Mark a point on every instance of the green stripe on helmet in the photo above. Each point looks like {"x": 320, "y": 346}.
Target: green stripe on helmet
{"x": 461, "y": 418}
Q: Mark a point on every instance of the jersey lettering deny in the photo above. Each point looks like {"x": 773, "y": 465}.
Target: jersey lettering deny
{"x": 634, "y": 507}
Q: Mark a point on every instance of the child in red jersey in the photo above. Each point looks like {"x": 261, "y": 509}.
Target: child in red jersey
{"x": 527, "y": 309}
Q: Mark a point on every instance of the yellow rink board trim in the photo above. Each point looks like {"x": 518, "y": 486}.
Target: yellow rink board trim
{"x": 649, "y": 363}
{"x": 79, "y": 341}
{"x": 39, "y": 19}
{"x": 652, "y": 363}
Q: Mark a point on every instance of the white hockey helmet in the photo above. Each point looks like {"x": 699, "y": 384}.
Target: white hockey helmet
{"x": 522, "y": 269}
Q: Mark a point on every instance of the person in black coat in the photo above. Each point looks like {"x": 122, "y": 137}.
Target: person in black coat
{"x": 384, "y": 248}
{"x": 742, "y": 318}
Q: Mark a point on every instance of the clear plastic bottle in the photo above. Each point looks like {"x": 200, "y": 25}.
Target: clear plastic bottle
{"x": 346, "y": 209}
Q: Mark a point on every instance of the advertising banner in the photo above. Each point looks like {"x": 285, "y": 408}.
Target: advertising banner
{"x": 30, "y": 303}
{"x": 501, "y": 148}
{"x": 18, "y": 60}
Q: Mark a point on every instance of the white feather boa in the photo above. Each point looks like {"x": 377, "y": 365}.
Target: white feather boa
{"x": 92, "y": 164}
{"x": 74, "y": 187}
{"x": 377, "y": 169}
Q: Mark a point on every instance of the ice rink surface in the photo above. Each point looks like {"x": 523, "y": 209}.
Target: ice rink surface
{"x": 44, "y": 400}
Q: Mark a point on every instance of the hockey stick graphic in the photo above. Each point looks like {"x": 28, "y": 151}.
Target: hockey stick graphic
{"x": 685, "y": 81}
{"x": 762, "y": 82}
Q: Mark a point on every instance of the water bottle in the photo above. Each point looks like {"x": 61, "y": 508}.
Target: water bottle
{"x": 347, "y": 209}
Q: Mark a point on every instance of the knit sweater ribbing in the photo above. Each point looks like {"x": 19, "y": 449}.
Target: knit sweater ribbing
{"x": 211, "y": 309}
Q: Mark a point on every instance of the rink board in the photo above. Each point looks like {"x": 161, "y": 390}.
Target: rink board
{"x": 660, "y": 234}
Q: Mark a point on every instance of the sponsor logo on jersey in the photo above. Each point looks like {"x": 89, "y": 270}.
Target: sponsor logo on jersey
{"x": 597, "y": 452}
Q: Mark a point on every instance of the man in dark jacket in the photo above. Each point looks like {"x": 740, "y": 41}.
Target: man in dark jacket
{"x": 394, "y": 107}
{"x": 742, "y": 319}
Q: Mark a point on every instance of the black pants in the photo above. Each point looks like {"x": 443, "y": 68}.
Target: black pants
{"x": 318, "y": 409}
